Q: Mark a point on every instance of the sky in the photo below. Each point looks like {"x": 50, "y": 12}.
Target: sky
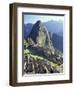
{"x": 29, "y": 18}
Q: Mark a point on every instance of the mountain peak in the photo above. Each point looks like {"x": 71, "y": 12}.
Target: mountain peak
{"x": 38, "y": 22}
{"x": 36, "y": 29}
{"x": 40, "y": 35}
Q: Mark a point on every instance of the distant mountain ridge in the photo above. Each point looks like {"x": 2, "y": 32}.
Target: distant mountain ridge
{"x": 27, "y": 29}
{"x": 51, "y": 25}
{"x": 55, "y": 27}
{"x": 57, "y": 42}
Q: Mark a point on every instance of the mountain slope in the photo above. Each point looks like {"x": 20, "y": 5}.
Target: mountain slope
{"x": 27, "y": 29}
{"x": 57, "y": 42}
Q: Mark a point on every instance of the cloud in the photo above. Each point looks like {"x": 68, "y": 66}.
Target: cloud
{"x": 29, "y": 18}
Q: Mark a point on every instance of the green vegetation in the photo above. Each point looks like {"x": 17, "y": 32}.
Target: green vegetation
{"x": 55, "y": 66}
